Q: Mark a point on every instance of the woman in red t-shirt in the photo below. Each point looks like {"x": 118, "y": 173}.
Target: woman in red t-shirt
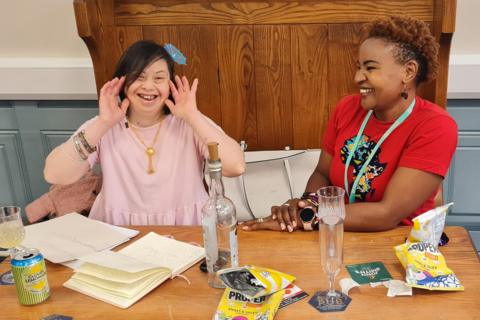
{"x": 413, "y": 140}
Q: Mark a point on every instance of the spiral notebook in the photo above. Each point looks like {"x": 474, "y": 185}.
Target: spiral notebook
{"x": 124, "y": 277}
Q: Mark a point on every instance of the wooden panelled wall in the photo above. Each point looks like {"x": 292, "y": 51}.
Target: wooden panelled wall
{"x": 270, "y": 72}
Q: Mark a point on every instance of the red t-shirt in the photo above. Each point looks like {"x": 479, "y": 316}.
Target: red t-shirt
{"x": 426, "y": 140}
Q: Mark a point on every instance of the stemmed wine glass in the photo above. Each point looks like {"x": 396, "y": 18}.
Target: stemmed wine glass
{"x": 11, "y": 231}
{"x": 331, "y": 214}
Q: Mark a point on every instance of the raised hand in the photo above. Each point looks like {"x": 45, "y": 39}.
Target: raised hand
{"x": 111, "y": 111}
{"x": 185, "y": 98}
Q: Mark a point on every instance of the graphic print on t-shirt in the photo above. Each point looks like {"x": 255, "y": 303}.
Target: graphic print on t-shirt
{"x": 374, "y": 169}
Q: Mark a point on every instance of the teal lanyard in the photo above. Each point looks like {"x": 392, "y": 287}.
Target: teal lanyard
{"x": 397, "y": 122}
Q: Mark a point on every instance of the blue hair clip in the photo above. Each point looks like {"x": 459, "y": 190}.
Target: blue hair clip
{"x": 176, "y": 55}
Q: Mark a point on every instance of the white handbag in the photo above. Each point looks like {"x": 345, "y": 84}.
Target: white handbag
{"x": 270, "y": 178}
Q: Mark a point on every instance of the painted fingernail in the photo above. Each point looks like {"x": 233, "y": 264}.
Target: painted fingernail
{"x": 274, "y": 217}
{"x": 282, "y": 226}
{"x": 290, "y": 229}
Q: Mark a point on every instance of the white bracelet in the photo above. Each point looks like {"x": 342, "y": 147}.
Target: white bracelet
{"x": 78, "y": 147}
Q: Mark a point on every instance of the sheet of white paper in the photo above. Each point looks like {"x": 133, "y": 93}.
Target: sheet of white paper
{"x": 165, "y": 252}
{"x": 71, "y": 236}
{"x": 398, "y": 288}
{"x": 128, "y": 232}
{"x": 346, "y": 284}
{"x": 74, "y": 264}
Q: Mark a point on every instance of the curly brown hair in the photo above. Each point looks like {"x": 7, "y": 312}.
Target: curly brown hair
{"x": 413, "y": 41}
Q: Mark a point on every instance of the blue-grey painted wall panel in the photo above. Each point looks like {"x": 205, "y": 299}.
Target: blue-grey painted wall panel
{"x": 466, "y": 113}
{"x": 7, "y": 195}
{"x": 466, "y": 175}
{"x": 461, "y": 184}
{"x": 14, "y": 184}
{"x": 476, "y": 239}
{"x": 52, "y": 139}
{"x": 29, "y": 130}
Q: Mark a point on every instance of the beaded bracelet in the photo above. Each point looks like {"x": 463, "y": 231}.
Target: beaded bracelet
{"x": 310, "y": 197}
{"x": 85, "y": 143}
{"x": 79, "y": 149}
{"x": 310, "y": 201}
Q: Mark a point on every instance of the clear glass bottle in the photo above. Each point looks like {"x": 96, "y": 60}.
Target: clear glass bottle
{"x": 219, "y": 222}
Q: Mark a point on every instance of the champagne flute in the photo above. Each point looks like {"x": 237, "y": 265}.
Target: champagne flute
{"x": 12, "y": 232}
{"x": 331, "y": 214}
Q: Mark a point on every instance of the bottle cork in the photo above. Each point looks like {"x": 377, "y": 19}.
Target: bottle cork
{"x": 213, "y": 151}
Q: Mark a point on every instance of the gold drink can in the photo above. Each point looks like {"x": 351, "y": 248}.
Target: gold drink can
{"x": 30, "y": 274}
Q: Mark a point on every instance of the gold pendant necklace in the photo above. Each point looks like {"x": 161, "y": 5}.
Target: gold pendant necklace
{"x": 149, "y": 149}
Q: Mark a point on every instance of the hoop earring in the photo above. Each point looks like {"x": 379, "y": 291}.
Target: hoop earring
{"x": 404, "y": 93}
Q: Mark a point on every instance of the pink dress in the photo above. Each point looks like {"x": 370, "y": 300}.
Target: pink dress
{"x": 173, "y": 195}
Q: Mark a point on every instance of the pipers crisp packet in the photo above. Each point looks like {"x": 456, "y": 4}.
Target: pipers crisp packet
{"x": 234, "y": 305}
{"x": 252, "y": 293}
{"x": 254, "y": 282}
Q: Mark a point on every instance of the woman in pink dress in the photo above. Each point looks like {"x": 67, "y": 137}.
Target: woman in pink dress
{"x": 150, "y": 140}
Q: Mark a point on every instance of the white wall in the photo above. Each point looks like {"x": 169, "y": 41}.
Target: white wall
{"x": 42, "y": 34}
{"x": 466, "y": 39}
{"x": 39, "y": 28}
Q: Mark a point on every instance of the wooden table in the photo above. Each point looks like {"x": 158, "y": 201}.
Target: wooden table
{"x": 297, "y": 254}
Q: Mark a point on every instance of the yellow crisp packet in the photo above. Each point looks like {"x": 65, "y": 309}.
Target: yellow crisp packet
{"x": 235, "y": 306}
{"x": 253, "y": 281}
{"x": 428, "y": 226}
{"x": 426, "y": 267}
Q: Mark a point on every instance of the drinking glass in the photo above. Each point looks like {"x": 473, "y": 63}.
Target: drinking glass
{"x": 331, "y": 214}
{"x": 11, "y": 228}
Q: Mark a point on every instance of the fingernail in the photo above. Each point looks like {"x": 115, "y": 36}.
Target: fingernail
{"x": 282, "y": 226}
{"x": 294, "y": 223}
{"x": 240, "y": 222}
{"x": 245, "y": 228}
{"x": 290, "y": 229}
{"x": 274, "y": 217}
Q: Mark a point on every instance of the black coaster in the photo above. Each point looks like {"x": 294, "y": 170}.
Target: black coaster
{"x": 6, "y": 279}
{"x": 319, "y": 302}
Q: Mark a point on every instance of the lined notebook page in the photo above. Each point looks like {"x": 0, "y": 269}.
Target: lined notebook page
{"x": 165, "y": 252}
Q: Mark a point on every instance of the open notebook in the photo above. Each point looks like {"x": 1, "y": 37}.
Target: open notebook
{"x": 122, "y": 278}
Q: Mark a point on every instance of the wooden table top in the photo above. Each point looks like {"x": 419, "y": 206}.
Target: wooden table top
{"x": 297, "y": 254}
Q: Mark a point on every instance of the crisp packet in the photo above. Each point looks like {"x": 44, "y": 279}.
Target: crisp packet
{"x": 426, "y": 267}
{"x": 235, "y": 306}
{"x": 428, "y": 226}
{"x": 253, "y": 281}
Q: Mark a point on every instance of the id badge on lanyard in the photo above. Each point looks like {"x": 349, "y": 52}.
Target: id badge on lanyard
{"x": 399, "y": 121}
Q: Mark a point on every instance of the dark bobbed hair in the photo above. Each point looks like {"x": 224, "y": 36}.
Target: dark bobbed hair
{"x": 413, "y": 41}
{"x": 136, "y": 58}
